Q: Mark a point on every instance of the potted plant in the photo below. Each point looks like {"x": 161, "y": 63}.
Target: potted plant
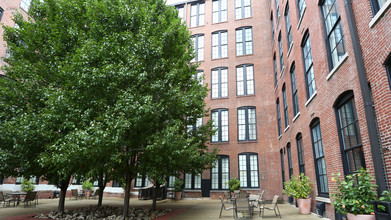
{"x": 300, "y": 188}
{"x": 234, "y": 185}
{"x": 87, "y": 187}
{"x": 178, "y": 188}
{"x": 354, "y": 195}
{"x": 382, "y": 207}
{"x": 27, "y": 185}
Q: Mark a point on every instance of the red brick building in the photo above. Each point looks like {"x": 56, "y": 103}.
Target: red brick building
{"x": 295, "y": 86}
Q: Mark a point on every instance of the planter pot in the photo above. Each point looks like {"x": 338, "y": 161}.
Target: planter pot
{"x": 178, "y": 195}
{"x": 382, "y": 214}
{"x": 304, "y": 206}
{"x": 360, "y": 217}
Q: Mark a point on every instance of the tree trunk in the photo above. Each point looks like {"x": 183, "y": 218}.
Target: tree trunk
{"x": 127, "y": 194}
{"x": 102, "y": 186}
{"x": 63, "y": 187}
{"x": 155, "y": 195}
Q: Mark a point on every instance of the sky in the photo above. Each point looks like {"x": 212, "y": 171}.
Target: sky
{"x": 171, "y": 2}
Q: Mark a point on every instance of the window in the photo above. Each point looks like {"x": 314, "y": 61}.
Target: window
{"x": 242, "y": 9}
{"x": 290, "y": 167}
{"x": 308, "y": 66}
{"x": 25, "y": 4}
{"x": 278, "y": 117}
{"x": 320, "y": 164}
{"x": 300, "y": 7}
{"x": 200, "y": 76}
{"x": 281, "y": 53}
{"x": 377, "y": 4}
{"x": 33, "y": 179}
{"x": 219, "y": 11}
{"x": 388, "y": 69}
{"x": 286, "y": 117}
{"x": 220, "y": 82}
{"x": 245, "y": 80}
{"x": 335, "y": 40}
{"x": 192, "y": 181}
{"x": 197, "y": 14}
{"x": 77, "y": 180}
{"x": 220, "y": 173}
{"x": 244, "y": 41}
{"x": 199, "y": 47}
{"x": 119, "y": 184}
{"x": 248, "y": 170}
{"x": 300, "y": 153}
{"x": 1, "y": 180}
{"x": 349, "y": 134}
{"x": 141, "y": 181}
{"x": 194, "y": 127}
{"x": 181, "y": 12}
{"x": 275, "y": 70}
{"x": 277, "y": 10}
{"x": 219, "y": 44}
{"x": 282, "y": 168}
{"x": 288, "y": 25}
{"x": 247, "y": 124}
{"x": 1, "y": 15}
{"x": 220, "y": 122}
{"x": 271, "y": 21}
{"x": 295, "y": 98}
{"x": 171, "y": 181}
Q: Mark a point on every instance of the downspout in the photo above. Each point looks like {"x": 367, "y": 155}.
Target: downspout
{"x": 370, "y": 113}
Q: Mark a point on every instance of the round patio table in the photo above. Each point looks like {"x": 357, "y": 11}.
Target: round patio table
{"x": 17, "y": 195}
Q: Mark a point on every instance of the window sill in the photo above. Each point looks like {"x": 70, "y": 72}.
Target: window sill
{"x": 282, "y": 71}
{"x": 301, "y": 18}
{"x": 218, "y": 98}
{"x": 221, "y": 22}
{"x": 197, "y": 26}
{"x": 323, "y": 199}
{"x": 275, "y": 87}
{"x": 379, "y": 14}
{"x": 191, "y": 190}
{"x": 239, "y": 19}
{"x": 311, "y": 98}
{"x": 221, "y": 58}
{"x": 251, "y": 189}
{"x": 286, "y": 129}
{"x": 244, "y": 55}
{"x": 297, "y": 115}
{"x": 290, "y": 49}
{"x": 218, "y": 190}
{"x": 279, "y": 137}
{"x": 219, "y": 143}
{"x": 247, "y": 142}
{"x": 339, "y": 64}
{"x": 243, "y": 96}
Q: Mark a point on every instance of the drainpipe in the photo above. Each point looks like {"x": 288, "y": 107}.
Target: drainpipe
{"x": 370, "y": 113}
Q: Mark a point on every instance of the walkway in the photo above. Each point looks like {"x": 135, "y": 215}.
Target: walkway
{"x": 187, "y": 209}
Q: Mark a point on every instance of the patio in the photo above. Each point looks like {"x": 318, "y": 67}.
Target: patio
{"x": 183, "y": 209}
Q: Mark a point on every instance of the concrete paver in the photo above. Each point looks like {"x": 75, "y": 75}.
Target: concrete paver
{"x": 191, "y": 209}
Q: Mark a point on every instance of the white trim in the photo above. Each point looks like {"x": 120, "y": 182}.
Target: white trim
{"x": 310, "y": 99}
{"x": 275, "y": 87}
{"x": 301, "y": 18}
{"x": 282, "y": 71}
{"x": 323, "y": 199}
{"x": 192, "y": 190}
{"x": 297, "y": 115}
{"x": 279, "y": 137}
{"x": 380, "y": 14}
{"x": 336, "y": 67}
{"x": 289, "y": 50}
{"x": 286, "y": 129}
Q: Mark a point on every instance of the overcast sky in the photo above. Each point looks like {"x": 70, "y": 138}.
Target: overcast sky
{"x": 171, "y": 2}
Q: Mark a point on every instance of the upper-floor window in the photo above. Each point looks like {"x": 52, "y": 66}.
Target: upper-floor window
{"x": 377, "y": 4}
{"x": 219, "y": 44}
{"x": 282, "y": 168}
{"x": 219, "y": 11}
{"x": 194, "y": 127}
{"x": 320, "y": 163}
{"x": 349, "y": 134}
{"x": 245, "y": 79}
{"x": 220, "y": 173}
{"x": 219, "y": 82}
{"x": 242, "y": 9}
{"x": 247, "y": 124}
{"x": 288, "y": 26}
{"x": 197, "y": 14}
{"x": 388, "y": 70}
{"x": 200, "y": 76}
{"x": 192, "y": 181}
{"x": 244, "y": 41}
{"x": 275, "y": 70}
{"x": 25, "y": 4}
{"x": 295, "y": 96}
{"x": 285, "y": 103}
{"x": 308, "y": 66}
{"x": 277, "y": 10}
{"x": 289, "y": 154}
{"x": 300, "y": 7}
{"x": 1, "y": 12}
{"x": 220, "y": 122}
{"x": 199, "y": 47}
{"x": 280, "y": 49}
{"x": 181, "y": 12}
{"x": 248, "y": 170}
{"x": 300, "y": 153}
{"x": 278, "y": 117}
{"x": 272, "y": 22}
{"x": 335, "y": 40}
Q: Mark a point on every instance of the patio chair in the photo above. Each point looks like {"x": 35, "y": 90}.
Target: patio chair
{"x": 30, "y": 198}
{"x": 6, "y": 200}
{"x": 273, "y": 207}
{"x": 243, "y": 194}
{"x": 224, "y": 207}
{"x": 76, "y": 194}
{"x": 228, "y": 197}
{"x": 95, "y": 194}
{"x": 243, "y": 206}
{"x": 254, "y": 200}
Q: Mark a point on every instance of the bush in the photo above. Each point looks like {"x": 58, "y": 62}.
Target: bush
{"x": 27, "y": 185}
{"x": 87, "y": 185}
{"x": 298, "y": 187}
{"x": 234, "y": 184}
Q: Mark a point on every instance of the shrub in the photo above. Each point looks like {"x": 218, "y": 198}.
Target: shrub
{"x": 27, "y": 185}
{"x": 87, "y": 185}
{"x": 298, "y": 187}
{"x": 234, "y": 184}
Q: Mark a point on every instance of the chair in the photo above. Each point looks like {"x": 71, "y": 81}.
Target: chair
{"x": 5, "y": 199}
{"x": 254, "y": 200}
{"x": 227, "y": 196}
{"x": 30, "y": 197}
{"x": 76, "y": 194}
{"x": 243, "y": 206}
{"x": 95, "y": 194}
{"x": 223, "y": 206}
{"x": 273, "y": 207}
{"x": 243, "y": 194}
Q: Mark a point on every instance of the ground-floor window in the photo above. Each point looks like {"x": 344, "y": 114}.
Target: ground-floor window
{"x": 142, "y": 181}
{"x": 248, "y": 170}
{"x": 220, "y": 173}
{"x": 192, "y": 181}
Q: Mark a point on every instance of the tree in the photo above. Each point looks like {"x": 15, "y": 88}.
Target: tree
{"x": 91, "y": 77}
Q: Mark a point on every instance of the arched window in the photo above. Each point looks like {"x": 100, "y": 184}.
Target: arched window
{"x": 300, "y": 152}
{"x": 248, "y": 170}
{"x": 289, "y": 154}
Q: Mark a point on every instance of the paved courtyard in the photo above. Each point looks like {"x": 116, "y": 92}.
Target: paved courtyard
{"x": 186, "y": 209}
